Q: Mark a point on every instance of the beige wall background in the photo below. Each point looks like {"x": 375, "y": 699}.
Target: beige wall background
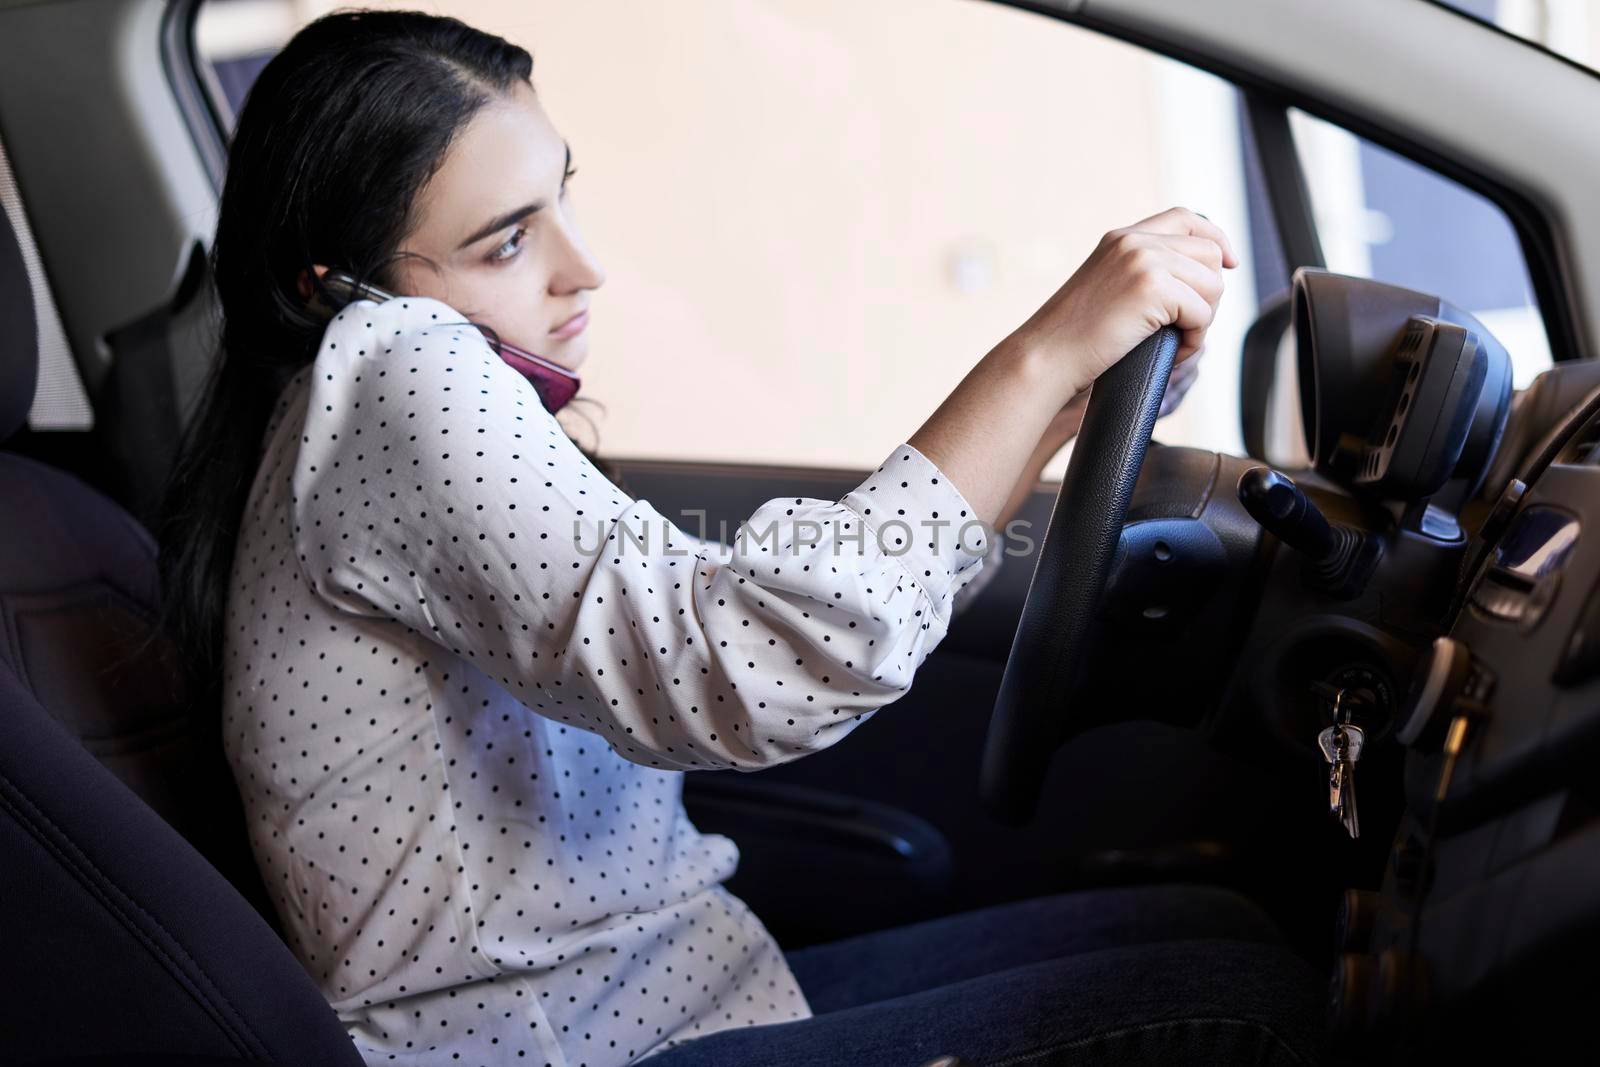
{"x": 817, "y": 215}
{"x": 791, "y": 197}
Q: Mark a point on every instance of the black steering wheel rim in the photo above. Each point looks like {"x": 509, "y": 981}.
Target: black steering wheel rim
{"x": 1074, "y": 564}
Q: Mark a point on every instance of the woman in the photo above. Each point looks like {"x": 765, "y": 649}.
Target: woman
{"x": 461, "y": 672}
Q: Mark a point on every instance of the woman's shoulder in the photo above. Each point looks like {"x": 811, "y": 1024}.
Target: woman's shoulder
{"x": 405, "y": 346}
{"x": 401, "y": 382}
{"x": 370, "y": 328}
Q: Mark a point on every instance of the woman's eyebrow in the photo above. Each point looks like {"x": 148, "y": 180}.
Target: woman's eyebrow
{"x": 500, "y": 222}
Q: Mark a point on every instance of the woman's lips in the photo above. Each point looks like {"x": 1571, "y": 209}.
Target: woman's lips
{"x": 572, "y": 327}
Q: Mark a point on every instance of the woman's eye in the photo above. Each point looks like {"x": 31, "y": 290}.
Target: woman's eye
{"x": 511, "y": 246}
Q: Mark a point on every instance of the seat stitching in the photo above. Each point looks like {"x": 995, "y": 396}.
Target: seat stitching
{"x": 18, "y": 803}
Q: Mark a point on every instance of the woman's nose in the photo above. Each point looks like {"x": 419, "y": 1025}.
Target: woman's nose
{"x": 576, "y": 268}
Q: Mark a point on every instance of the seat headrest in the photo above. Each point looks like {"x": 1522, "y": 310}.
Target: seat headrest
{"x": 19, "y": 334}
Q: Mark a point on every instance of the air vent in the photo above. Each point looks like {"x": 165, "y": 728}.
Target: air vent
{"x": 1407, "y": 359}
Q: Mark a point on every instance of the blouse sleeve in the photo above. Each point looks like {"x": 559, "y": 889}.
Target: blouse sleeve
{"x": 715, "y": 550}
{"x": 432, "y": 488}
{"x": 982, "y": 579}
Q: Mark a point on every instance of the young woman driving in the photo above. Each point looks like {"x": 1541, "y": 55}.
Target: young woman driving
{"x": 461, "y": 673}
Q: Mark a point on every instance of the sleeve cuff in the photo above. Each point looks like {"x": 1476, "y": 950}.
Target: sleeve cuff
{"x": 918, "y": 516}
{"x": 984, "y": 577}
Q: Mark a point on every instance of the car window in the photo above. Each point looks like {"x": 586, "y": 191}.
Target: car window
{"x": 1382, "y": 216}
{"x": 1569, "y": 28}
{"x": 816, "y": 215}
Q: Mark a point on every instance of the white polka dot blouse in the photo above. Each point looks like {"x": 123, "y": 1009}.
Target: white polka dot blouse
{"x": 465, "y": 672}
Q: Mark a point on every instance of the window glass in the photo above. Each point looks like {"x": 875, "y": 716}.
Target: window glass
{"x": 235, "y": 38}
{"x": 816, "y": 215}
{"x": 1569, "y": 28}
{"x": 1382, "y": 216}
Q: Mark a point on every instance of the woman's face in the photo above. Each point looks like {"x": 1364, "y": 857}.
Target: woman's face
{"x": 498, "y": 221}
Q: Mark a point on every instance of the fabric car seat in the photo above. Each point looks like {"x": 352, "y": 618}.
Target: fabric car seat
{"x": 120, "y": 937}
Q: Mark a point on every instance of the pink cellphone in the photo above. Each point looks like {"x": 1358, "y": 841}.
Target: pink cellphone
{"x": 555, "y": 384}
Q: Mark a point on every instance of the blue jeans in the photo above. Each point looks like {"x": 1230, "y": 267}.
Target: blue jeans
{"x": 1145, "y": 975}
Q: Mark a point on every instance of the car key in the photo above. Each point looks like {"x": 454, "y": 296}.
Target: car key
{"x": 1341, "y": 747}
{"x": 1330, "y": 741}
{"x": 1354, "y": 737}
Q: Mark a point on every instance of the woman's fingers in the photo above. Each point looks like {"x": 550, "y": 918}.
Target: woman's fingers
{"x": 1182, "y": 221}
{"x": 1197, "y": 260}
{"x": 1189, "y": 260}
{"x": 1190, "y": 290}
{"x": 1189, "y": 311}
{"x": 1198, "y": 276}
{"x": 1200, "y": 249}
{"x": 1164, "y": 269}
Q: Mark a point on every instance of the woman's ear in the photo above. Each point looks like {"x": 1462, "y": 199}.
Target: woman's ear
{"x": 303, "y": 283}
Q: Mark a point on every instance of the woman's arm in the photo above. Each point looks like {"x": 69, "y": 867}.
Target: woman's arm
{"x": 1163, "y": 270}
{"x": 432, "y": 489}
{"x": 1064, "y": 427}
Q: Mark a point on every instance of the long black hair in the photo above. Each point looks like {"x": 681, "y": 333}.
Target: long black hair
{"x": 337, "y": 136}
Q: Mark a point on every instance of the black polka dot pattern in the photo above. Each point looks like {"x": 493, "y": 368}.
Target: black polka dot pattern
{"x": 464, "y": 672}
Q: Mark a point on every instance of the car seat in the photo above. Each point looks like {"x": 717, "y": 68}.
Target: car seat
{"x": 121, "y": 940}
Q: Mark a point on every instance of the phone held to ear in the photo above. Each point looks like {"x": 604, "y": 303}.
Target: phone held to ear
{"x": 554, "y": 383}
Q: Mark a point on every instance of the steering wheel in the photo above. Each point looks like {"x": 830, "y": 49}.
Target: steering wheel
{"x": 1074, "y": 564}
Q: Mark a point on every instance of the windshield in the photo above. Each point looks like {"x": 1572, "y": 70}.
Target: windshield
{"x": 1569, "y": 28}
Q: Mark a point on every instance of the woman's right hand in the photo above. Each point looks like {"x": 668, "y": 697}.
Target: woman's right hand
{"x": 1161, "y": 270}
{"x": 1166, "y": 269}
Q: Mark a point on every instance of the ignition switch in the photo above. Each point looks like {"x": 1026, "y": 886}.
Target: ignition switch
{"x": 1368, "y": 695}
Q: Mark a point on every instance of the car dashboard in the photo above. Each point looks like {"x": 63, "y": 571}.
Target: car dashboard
{"x": 1435, "y": 574}
{"x": 1488, "y": 903}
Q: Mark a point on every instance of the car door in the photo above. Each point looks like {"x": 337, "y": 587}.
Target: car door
{"x": 817, "y": 216}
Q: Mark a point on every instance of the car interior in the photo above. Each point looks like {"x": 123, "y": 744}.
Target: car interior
{"x": 1410, "y": 612}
